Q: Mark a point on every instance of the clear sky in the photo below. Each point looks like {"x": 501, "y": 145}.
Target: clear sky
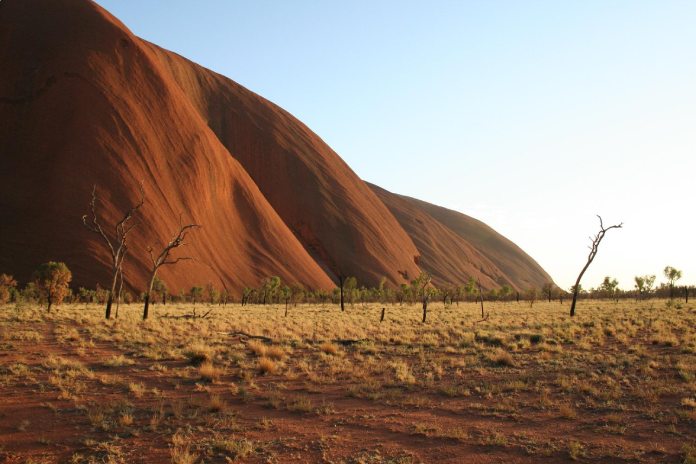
{"x": 532, "y": 116}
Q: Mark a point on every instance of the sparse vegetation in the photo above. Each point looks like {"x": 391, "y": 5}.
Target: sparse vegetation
{"x": 472, "y": 384}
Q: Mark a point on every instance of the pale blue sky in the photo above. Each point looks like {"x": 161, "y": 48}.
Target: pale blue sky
{"x": 531, "y": 116}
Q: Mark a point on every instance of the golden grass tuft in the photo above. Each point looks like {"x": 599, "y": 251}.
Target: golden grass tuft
{"x": 137, "y": 389}
{"x": 402, "y": 372}
{"x": 118, "y": 361}
{"x": 689, "y": 402}
{"x": 126, "y": 419}
{"x": 329, "y": 348}
{"x": 216, "y": 404}
{"x": 267, "y": 366}
{"x": 257, "y": 347}
{"x": 210, "y": 373}
{"x": 180, "y": 451}
{"x": 199, "y": 353}
{"x": 275, "y": 352}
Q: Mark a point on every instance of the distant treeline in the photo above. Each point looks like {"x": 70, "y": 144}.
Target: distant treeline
{"x": 274, "y": 291}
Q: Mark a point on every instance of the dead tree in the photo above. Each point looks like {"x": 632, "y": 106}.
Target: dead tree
{"x": 117, "y": 245}
{"x": 163, "y": 259}
{"x": 596, "y": 240}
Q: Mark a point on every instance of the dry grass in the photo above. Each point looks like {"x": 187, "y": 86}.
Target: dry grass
{"x": 198, "y": 353}
{"x": 267, "y": 366}
{"x": 612, "y": 365}
{"x": 210, "y": 373}
{"x": 500, "y": 357}
{"x": 329, "y": 348}
{"x": 275, "y": 352}
{"x": 118, "y": 361}
{"x": 257, "y": 347}
{"x": 180, "y": 450}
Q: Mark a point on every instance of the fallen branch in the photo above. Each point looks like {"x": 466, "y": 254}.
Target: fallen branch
{"x": 338, "y": 341}
{"x": 257, "y": 337}
{"x": 350, "y": 342}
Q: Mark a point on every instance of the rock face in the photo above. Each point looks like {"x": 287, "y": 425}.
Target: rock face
{"x": 455, "y": 246}
{"x": 84, "y": 102}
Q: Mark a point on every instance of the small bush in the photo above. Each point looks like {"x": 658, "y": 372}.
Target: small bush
{"x": 501, "y": 358}
{"x": 575, "y": 450}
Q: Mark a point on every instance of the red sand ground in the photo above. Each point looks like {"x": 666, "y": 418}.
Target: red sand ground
{"x": 328, "y": 424}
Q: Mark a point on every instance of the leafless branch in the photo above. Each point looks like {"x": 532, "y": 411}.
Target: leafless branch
{"x": 594, "y": 247}
{"x": 116, "y": 245}
{"x": 163, "y": 258}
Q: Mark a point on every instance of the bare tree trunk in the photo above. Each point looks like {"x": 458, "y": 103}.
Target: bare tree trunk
{"x": 340, "y": 284}
{"x": 381, "y": 318}
{"x": 120, "y": 291}
{"x": 50, "y": 303}
{"x": 686, "y": 294}
{"x": 146, "y": 300}
{"x": 425, "y": 308}
{"x": 575, "y": 299}
{"x": 112, "y": 292}
{"x": 109, "y": 301}
{"x": 147, "y": 306}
